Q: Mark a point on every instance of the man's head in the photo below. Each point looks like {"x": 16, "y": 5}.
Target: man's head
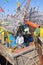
{"x": 19, "y": 34}
{"x": 39, "y": 27}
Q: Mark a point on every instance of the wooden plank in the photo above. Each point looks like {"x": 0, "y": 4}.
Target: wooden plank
{"x": 22, "y": 51}
{"x": 41, "y": 39}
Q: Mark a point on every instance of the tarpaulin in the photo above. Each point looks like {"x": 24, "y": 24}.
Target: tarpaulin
{"x": 31, "y": 24}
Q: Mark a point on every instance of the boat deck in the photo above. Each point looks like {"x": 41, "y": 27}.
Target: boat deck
{"x": 25, "y": 56}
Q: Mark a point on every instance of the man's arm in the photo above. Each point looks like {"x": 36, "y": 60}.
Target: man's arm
{"x": 16, "y": 40}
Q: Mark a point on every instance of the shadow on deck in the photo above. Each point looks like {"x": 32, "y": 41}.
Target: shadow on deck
{"x": 3, "y": 61}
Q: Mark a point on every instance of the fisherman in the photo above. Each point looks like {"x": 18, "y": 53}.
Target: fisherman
{"x": 27, "y": 38}
{"x": 41, "y": 34}
{"x": 13, "y": 40}
{"x": 26, "y": 41}
{"x": 41, "y": 30}
{"x": 20, "y": 41}
{"x": 36, "y": 35}
{"x": 8, "y": 38}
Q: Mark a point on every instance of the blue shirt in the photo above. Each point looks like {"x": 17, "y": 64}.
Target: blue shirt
{"x": 12, "y": 38}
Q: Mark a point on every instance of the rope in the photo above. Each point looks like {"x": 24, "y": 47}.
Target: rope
{"x": 40, "y": 46}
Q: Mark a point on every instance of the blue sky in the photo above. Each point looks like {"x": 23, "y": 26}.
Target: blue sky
{"x": 11, "y": 5}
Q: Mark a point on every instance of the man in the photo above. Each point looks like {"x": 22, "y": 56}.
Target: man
{"x": 27, "y": 38}
{"x": 20, "y": 40}
{"x": 36, "y": 35}
{"x": 13, "y": 40}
